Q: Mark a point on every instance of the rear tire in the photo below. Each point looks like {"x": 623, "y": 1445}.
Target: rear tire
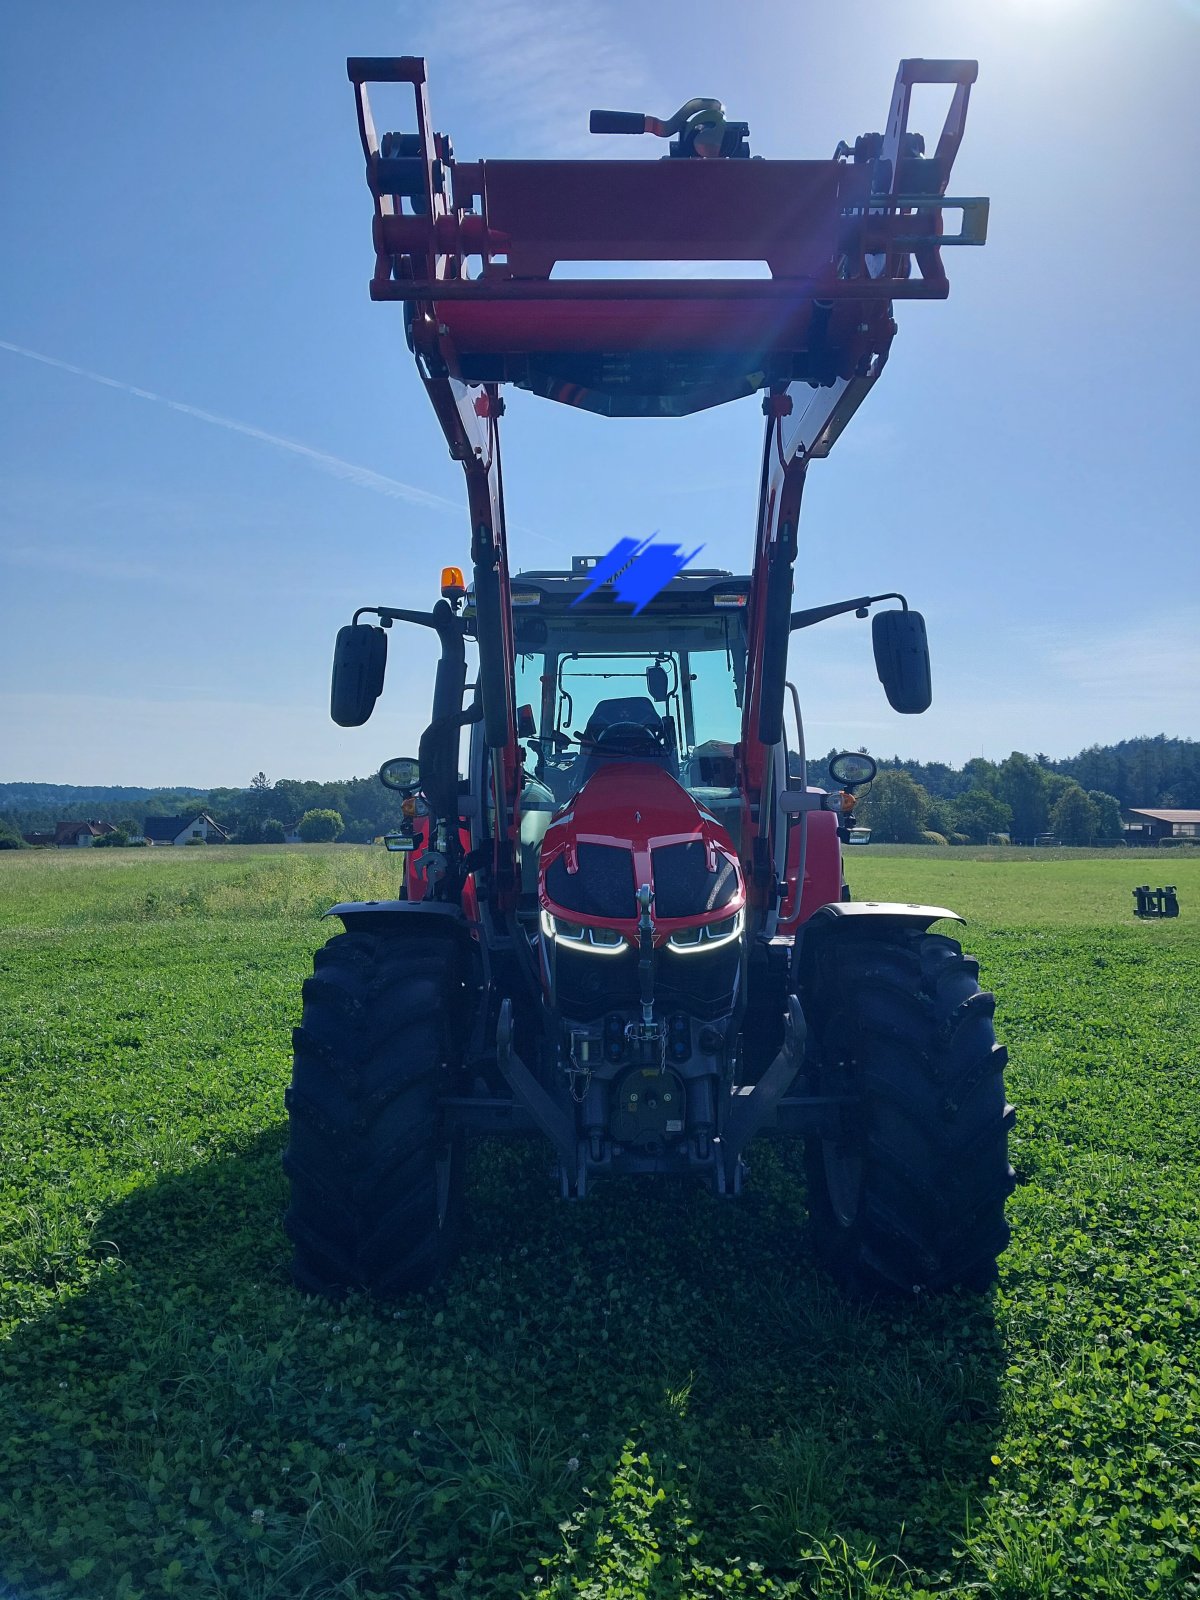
{"x": 909, "y": 1196}
{"x": 376, "y": 1183}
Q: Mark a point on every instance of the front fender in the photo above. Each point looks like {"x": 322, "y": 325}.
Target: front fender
{"x": 854, "y": 919}
{"x": 419, "y": 918}
{"x": 891, "y": 911}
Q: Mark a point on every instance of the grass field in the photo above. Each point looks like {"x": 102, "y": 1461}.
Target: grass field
{"x": 650, "y": 1394}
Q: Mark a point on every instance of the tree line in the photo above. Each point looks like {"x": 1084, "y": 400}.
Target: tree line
{"x": 1018, "y": 802}
{"x": 353, "y": 809}
{"x": 1078, "y": 800}
{"x": 1152, "y": 771}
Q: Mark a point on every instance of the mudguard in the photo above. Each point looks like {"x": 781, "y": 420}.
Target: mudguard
{"x": 418, "y": 918}
{"x": 841, "y": 916}
{"x": 882, "y": 911}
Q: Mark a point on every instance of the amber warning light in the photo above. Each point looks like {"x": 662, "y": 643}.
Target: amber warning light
{"x": 453, "y": 584}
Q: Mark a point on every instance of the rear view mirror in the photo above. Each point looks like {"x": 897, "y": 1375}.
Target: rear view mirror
{"x": 359, "y": 659}
{"x": 902, "y": 659}
{"x": 658, "y": 684}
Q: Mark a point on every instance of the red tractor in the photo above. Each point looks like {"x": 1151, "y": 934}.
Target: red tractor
{"x": 626, "y": 928}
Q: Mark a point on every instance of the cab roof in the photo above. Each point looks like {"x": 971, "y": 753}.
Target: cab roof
{"x": 697, "y": 590}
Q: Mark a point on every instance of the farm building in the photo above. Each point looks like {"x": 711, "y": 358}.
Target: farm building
{"x": 71, "y": 835}
{"x": 1149, "y": 825}
{"x": 180, "y": 830}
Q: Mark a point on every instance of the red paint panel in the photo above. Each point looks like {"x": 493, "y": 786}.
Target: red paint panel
{"x": 787, "y": 213}
{"x": 822, "y": 868}
{"x": 637, "y": 808}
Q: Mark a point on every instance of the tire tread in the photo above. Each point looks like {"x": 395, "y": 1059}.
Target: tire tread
{"x": 933, "y": 1135}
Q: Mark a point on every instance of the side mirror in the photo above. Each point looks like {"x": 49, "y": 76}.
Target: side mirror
{"x": 852, "y": 767}
{"x": 658, "y": 684}
{"x": 902, "y": 659}
{"x": 526, "y": 726}
{"x": 359, "y": 659}
{"x": 401, "y": 772}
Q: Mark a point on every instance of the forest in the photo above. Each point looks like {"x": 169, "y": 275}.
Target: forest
{"x": 1078, "y": 798}
{"x": 1077, "y": 801}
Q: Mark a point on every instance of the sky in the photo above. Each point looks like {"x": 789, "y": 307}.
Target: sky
{"x": 215, "y": 446}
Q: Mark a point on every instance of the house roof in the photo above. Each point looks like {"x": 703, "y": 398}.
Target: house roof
{"x": 1164, "y": 816}
{"x": 171, "y": 827}
{"x": 72, "y": 830}
{"x": 165, "y": 827}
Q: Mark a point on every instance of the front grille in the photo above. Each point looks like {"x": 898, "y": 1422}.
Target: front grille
{"x": 704, "y": 983}
{"x": 603, "y": 886}
{"x": 701, "y": 982}
{"x": 683, "y": 885}
{"x": 587, "y": 985}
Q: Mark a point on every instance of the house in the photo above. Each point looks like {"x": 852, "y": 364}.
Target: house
{"x": 291, "y": 834}
{"x": 72, "y": 835}
{"x": 181, "y": 830}
{"x": 1152, "y": 825}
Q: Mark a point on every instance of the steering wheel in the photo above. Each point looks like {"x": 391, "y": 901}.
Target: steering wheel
{"x": 630, "y": 739}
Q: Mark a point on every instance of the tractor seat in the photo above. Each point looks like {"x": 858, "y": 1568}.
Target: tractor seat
{"x": 627, "y": 729}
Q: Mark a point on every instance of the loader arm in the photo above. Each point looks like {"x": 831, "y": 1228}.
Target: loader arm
{"x": 804, "y": 423}
{"x": 470, "y": 420}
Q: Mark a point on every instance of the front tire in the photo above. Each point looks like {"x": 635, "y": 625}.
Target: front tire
{"x": 376, "y": 1182}
{"x": 909, "y": 1194}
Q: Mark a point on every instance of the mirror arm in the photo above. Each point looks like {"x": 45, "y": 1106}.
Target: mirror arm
{"x": 442, "y": 618}
{"x": 815, "y": 614}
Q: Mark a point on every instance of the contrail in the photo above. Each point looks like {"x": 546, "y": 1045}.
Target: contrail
{"x": 348, "y": 471}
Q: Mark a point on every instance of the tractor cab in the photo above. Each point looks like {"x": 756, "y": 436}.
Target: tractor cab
{"x": 597, "y": 687}
{"x": 629, "y": 726}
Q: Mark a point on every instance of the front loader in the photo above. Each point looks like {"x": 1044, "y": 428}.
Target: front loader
{"x": 624, "y": 927}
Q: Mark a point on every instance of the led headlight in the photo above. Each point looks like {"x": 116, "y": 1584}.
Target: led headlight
{"x": 707, "y": 935}
{"x": 599, "y": 941}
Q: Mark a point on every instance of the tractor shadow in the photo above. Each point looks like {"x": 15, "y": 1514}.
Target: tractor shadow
{"x": 500, "y": 1420}
{"x": 779, "y": 1413}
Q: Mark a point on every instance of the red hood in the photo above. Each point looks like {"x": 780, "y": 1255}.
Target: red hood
{"x": 633, "y": 806}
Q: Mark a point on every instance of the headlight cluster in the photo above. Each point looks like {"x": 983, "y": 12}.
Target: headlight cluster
{"x": 707, "y": 935}
{"x": 601, "y": 941}
{"x": 608, "y": 942}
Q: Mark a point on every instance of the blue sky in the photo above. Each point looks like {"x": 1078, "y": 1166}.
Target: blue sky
{"x": 186, "y": 219}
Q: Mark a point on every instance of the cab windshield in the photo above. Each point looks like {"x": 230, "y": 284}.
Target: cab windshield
{"x": 663, "y": 689}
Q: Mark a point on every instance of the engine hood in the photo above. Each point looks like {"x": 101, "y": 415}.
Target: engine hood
{"x": 631, "y": 824}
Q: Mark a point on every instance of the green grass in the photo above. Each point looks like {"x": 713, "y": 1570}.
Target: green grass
{"x": 1088, "y": 890}
{"x": 650, "y": 1394}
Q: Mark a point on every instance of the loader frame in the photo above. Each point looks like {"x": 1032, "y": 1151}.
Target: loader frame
{"x": 469, "y": 248}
